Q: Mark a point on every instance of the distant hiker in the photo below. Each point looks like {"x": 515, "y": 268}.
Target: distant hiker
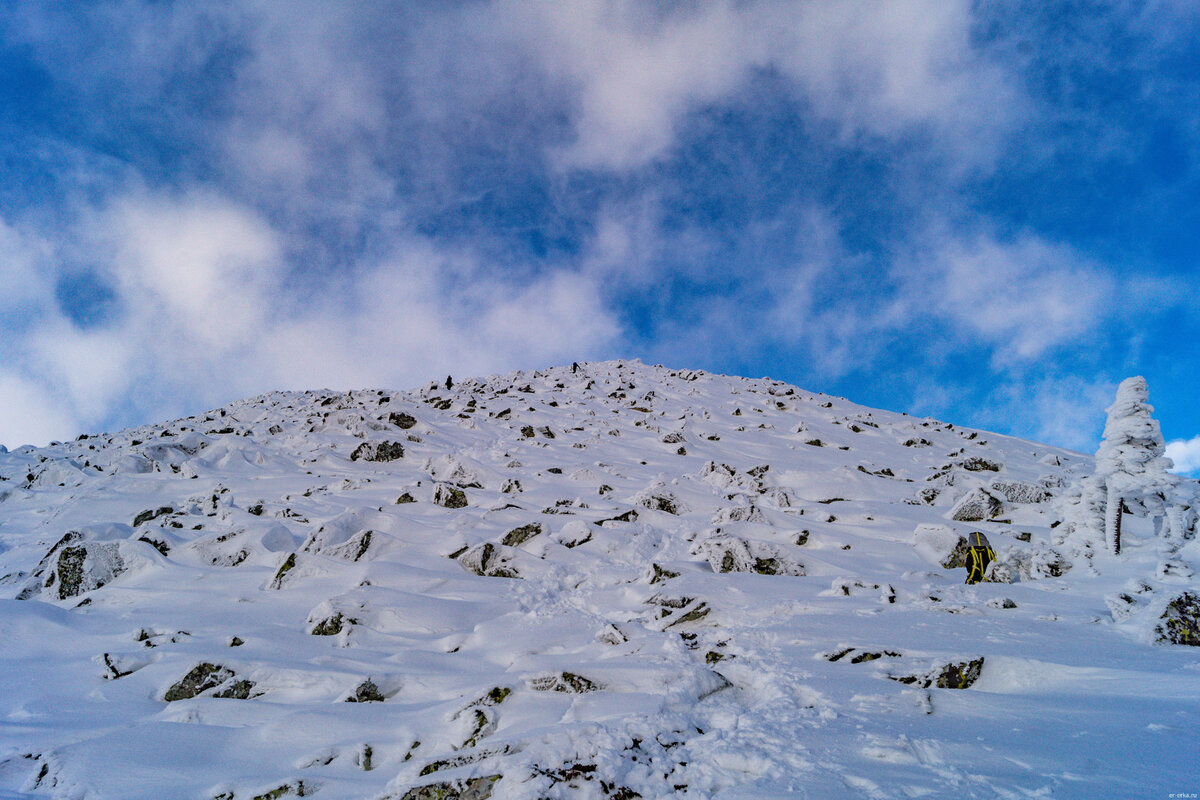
{"x": 979, "y": 556}
{"x": 574, "y": 367}
{"x": 449, "y": 383}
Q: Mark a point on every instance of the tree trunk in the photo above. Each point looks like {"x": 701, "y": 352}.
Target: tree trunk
{"x": 1112, "y": 521}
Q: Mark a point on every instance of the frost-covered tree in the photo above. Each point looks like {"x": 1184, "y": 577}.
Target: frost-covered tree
{"x": 1131, "y": 470}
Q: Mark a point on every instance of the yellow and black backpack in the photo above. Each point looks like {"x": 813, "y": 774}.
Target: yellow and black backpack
{"x": 979, "y": 556}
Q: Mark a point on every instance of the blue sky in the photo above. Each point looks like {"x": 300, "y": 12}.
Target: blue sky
{"x": 987, "y": 213}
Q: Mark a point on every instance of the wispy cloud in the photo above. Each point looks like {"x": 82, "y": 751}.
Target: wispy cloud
{"x": 1021, "y": 297}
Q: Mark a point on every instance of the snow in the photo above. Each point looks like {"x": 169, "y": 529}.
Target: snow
{"x": 632, "y": 652}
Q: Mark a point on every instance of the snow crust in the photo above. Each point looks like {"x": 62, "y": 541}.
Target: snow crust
{"x": 658, "y": 583}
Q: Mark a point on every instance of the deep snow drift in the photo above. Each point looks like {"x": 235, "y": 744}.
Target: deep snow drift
{"x": 608, "y": 580}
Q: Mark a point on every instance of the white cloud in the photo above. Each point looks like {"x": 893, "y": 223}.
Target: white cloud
{"x": 26, "y": 272}
{"x": 1068, "y": 412}
{"x": 31, "y": 413}
{"x": 209, "y": 312}
{"x": 870, "y": 68}
{"x": 198, "y": 264}
{"x": 1186, "y": 455}
{"x": 1021, "y": 298}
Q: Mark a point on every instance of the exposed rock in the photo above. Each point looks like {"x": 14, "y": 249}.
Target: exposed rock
{"x": 1180, "y": 622}
{"x": 660, "y": 500}
{"x": 629, "y": 516}
{"x": 205, "y": 676}
{"x": 378, "y": 451}
{"x": 1020, "y": 491}
{"x": 567, "y": 682}
{"x": 694, "y": 614}
{"x": 660, "y": 574}
{"x": 862, "y": 656}
{"x": 73, "y": 566}
{"x": 746, "y": 513}
{"x": 999, "y": 572}
{"x": 449, "y": 496}
{"x": 469, "y": 789}
{"x": 733, "y": 554}
{"x": 1040, "y": 563}
{"x": 405, "y": 498}
{"x": 297, "y": 789}
{"x": 522, "y": 534}
{"x": 401, "y": 420}
{"x": 353, "y": 548}
{"x": 977, "y": 506}
{"x": 287, "y": 566}
{"x": 958, "y": 556}
{"x": 238, "y": 690}
{"x": 978, "y": 464}
{"x": 489, "y": 561}
{"x": 949, "y": 676}
{"x": 331, "y": 625}
{"x": 366, "y": 692}
{"x": 152, "y": 514}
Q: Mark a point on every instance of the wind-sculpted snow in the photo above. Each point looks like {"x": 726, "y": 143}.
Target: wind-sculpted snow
{"x": 600, "y": 581}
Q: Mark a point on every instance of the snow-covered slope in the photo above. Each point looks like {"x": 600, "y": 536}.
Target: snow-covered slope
{"x": 605, "y": 580}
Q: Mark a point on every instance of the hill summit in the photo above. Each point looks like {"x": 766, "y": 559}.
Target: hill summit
{"x": 607, "y": 580}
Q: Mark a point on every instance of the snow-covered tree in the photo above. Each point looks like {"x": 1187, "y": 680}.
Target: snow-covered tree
{"x": 1131, "y": 470}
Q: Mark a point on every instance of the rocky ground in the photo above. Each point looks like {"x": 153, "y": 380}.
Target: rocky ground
{"x": 600, "y": 581}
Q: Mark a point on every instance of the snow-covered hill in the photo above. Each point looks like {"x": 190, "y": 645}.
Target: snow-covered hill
{"x": 607, "y": 580}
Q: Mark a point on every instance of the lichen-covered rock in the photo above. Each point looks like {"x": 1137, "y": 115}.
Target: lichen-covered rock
{"x": 659, "y": 574}
{"x": 1180, "y": 622}
{"x": 330, "y": 626}
{"x": 733, "y": 554}
{"x": 378, "y": 451}
{"x": 455, "y": 470}
{"x": 152, "y": 514}
{"x": 366, "y": 692}
{"x": 1019, "y": 491}
{"x": 977, "y": 506}
{"x": 746, "y": 513}
{"x": 489, "y": 561}
{"x": 566, "y": 682}
{"x": 74, "y": 566}
{"x": 341, "y": 538}
{"x": 1039, "y": 563}
{"x": 200, "y": 679}
{"x": 297, "y": 789}
{"x": 959, "y": 675}
{"x": 353, "y": 548}
{"x": 287, "y": 566}
{"x": 1000, "y": 572}
{"x": 522, "y": 534}
{"x": 659, "y": 499}
{"x": 469, "y": 789}
{"x": 449, "y": 496}
{"x": 958, "y": 556}
{"x": 401, "y": 420}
